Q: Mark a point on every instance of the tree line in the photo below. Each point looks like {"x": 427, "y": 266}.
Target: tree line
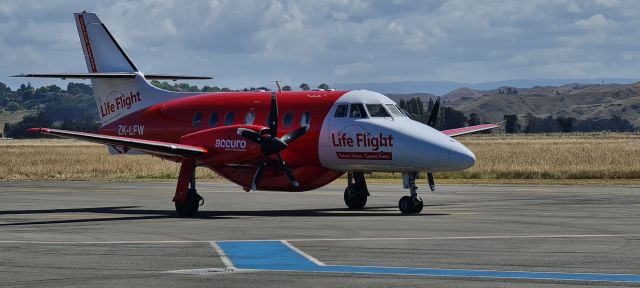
{"x": 448, "y": 118}
{"x": 70, "y": 109}
{"x": 184, "y": 87}
{"x": 550, "y": 124}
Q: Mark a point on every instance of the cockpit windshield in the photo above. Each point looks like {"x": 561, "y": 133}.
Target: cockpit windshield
{"x": 357, "y": 111}
{"x": 377, "y": 110}
{"x": 394, "y": 110}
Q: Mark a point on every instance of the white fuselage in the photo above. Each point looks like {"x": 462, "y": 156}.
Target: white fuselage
{"x": 385, "y": 140}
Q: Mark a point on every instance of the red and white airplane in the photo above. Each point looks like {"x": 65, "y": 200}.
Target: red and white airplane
{"x": 285, "y": 141}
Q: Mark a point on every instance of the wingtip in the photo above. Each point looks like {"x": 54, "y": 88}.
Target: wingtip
{"x": 34, "y": 130}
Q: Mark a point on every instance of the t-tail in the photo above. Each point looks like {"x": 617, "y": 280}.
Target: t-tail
{"x": 119, "y": 87}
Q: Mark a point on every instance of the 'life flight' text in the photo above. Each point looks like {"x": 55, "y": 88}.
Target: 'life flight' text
{"x": 121, "y": 101}
{"x": 362, "y": 140}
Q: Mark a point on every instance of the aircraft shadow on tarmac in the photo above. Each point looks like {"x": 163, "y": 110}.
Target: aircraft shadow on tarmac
{"x": 128, "y": 213}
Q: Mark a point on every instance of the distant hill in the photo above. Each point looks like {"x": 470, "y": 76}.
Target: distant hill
{"x": 442, "y": 87}
{"x": 462, "y": 94}
{"x": 581, "y": 101}
{"x": 423, "y": 96}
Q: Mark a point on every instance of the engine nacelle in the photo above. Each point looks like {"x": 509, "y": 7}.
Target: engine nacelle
{"x": 225, "y": 145}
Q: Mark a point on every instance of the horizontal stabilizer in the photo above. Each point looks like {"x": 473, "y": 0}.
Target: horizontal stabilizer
{"x": 113, "y": 75}
{"x": 175, "y": 77}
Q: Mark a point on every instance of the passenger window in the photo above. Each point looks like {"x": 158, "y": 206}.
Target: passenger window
{"x": 213, "y": 119}
{"x": 394, "y": 111}
{"x": 197, "y": 119}
{"x": 377, "y": 110}
{"x": 228, "y": 120}
{"x": 249, "y": 118}
{"x": 341, "y": 111}
{"x": 305, "y": 119}
{"x": 357, "y": 111}
{"x": 288, "y": 119}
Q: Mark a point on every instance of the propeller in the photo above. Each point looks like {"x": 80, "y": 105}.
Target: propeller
{"x": 270, "y": 144}
{"x": 432, "y": 122}
{"x": 434, "y": 114}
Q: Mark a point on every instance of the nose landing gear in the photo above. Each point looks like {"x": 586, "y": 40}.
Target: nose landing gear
{"x": 355, "y": 195}
{"x": 410, "y": 204}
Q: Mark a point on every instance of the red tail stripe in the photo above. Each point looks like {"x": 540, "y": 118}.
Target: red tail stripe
{"x": 87, "y": 44}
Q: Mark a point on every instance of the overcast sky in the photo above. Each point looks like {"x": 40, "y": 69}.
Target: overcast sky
{"x": 249, "y": 43}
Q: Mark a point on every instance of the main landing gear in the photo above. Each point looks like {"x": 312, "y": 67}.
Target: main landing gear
{"x": 187, "y": 200}
{"x": 410, "y": 204}
{"x": 356, "y": 193}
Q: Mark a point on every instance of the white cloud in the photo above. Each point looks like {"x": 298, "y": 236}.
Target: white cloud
{"x": 607, "y": 3}
{"x": 594, "y": 22}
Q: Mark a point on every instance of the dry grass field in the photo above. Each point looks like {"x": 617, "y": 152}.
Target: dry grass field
{"x": 553, "y": 159}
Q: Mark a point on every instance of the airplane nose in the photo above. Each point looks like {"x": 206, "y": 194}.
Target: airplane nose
{"x": 460, "y": 157}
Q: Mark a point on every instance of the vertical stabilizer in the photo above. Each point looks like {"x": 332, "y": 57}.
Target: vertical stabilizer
{"x": 101, "y": 51}
{"x": 116, "y": 97}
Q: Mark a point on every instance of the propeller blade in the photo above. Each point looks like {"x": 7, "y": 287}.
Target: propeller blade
{"x": 288, "y": 171}
{"x": 432, "y": 184}
{"x": 434, "y": 113}
{"x": 273, "y": 116}
{"x": 258, "y": 175}
{"x": 250, "y": 134}
{"x": 295, "y": 134}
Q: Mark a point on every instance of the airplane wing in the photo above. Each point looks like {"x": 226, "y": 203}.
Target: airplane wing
{"x": 470, "y": 129}
{"x": 154, "y": 147}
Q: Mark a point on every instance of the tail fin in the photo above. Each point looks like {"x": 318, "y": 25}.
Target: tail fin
{"x": 106, "y": 55}
{"x": 119, "y": 88}
{"x": 116, "y": 97}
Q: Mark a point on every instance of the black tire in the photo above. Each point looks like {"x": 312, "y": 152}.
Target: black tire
{"x": 354, "y": 198}
{"x": 406, "y": 205}
{"x": 189, "y": 207}
{"x": 418, "y": 207}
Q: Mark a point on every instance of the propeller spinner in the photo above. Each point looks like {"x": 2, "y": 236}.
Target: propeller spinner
{"x": 270, "y": 144}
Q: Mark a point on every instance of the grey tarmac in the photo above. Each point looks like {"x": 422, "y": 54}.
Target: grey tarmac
{"x": 94, "y": 234}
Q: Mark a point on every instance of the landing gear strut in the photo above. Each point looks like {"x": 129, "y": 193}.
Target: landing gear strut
{"x": 410, "y": 204}
{"x": 355, "y": 195}
{"x": 187, "y": 200}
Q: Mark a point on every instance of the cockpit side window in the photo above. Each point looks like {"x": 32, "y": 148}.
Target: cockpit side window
{"x": 377, "y": 110}
{"x": 341, "y": 111}
{"x": 394, "y": 110}
{"x": 357, "y": 111}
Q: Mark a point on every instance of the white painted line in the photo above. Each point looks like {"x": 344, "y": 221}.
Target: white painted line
{"x": 186, "y": 242}
{"x": 202, "y": 271}
{"x": 470, "y": 237}
{"x": 303, "y": 254}
{"x": 225, "y": 259}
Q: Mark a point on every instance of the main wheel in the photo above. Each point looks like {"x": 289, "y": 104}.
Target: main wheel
{"x": 354, "y": 198}
{"x": 418, "y": 206}
{"x": 408, "y": 206}
{"x": 190, "y": 206}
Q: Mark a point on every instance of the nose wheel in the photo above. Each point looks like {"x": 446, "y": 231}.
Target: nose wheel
{"x": 410, "y": 204}
{"x": 356, "y": 193}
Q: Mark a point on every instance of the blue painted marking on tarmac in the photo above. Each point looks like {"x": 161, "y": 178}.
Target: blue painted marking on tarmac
{"x": 275, "y": 256}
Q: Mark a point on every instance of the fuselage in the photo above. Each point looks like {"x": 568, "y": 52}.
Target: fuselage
{"x": 355, "y": 130}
